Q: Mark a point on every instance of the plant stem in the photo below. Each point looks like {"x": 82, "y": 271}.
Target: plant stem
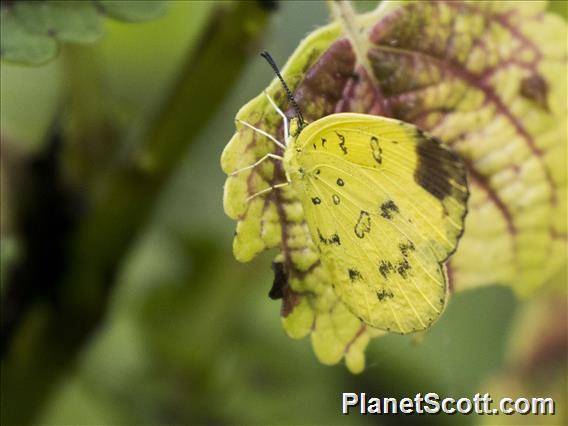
{"x": 51, "y": 337}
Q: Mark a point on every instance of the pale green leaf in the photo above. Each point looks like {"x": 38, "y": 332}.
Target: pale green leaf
{"x": 487, "y": 78}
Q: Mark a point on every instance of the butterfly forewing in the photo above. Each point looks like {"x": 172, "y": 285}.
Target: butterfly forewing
{"x": 385, "y": 205}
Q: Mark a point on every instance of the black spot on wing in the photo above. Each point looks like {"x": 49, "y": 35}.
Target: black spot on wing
{"x": 385, "y": 268}
{"x": 363, "y": 224}
{"x": 384, "y": 294}
{"x": 322, "y": 239}
{"x": 342, "y": 143}
{"x": 437, "y": 166}
{"x": 280, "y": 281}
{"x": 354, "y": 274}
{"x": 376, "y": 149}
{"x": 323, "y": 141}
{"x": 340, "y": 182}
{"x": 406, "y": 247}
{"x": 316, "y": 201}
{"x": 403, "y": 268}
{"x": 388, "y": 208}
{"x": 332, "y": 240}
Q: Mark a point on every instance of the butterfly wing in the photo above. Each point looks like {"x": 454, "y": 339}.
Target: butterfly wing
{"x": 385, "y": 205}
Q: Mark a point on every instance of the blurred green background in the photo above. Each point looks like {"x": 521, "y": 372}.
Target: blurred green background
{"x": 181, "y": 332}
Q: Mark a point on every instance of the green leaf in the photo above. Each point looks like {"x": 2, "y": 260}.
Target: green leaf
{"x": 18, "y": 45}
{"x": 487, "y": 78}
{"x": 65, "y": 21}
{"x": 132, "y": 10}
{"x": 31, "y": 30}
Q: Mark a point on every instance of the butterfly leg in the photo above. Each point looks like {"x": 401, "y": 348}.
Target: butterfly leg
{"x": 252, "y": 166}
{"x": 270, "y": 188}
{"x": 263, "y": 133}
{"x": 279, "y": 111}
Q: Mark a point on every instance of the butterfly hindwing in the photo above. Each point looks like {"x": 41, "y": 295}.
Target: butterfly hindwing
{"x": 385, "y": 205}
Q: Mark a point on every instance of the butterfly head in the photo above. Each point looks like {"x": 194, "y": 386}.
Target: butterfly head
{"x": 295, "y": 130}
{"x": 295, "y": 127}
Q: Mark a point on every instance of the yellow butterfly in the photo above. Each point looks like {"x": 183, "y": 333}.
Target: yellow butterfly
{"x": 385, "y": 205}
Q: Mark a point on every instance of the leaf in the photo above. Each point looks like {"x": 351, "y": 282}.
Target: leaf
{"x": 31, "y": 30}
{"x": 65, "y": 21}
{"x": 486, "y": 78}
{"x": 132, "y": 10}
{"x": 18, "y": 45}
{"x": 496, "y": 95}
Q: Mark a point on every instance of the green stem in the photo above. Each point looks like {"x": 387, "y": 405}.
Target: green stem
{"x": 89, "y": 133}
{"x": 125, "y": 197}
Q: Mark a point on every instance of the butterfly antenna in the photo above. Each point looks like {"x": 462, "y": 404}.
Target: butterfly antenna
{"x": 271, "y": 62}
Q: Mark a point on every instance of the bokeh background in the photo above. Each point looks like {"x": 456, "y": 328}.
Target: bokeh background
{"x": 138, "y": 313}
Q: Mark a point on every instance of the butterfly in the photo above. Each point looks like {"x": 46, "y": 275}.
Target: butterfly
{"x": 385, "y": 205}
